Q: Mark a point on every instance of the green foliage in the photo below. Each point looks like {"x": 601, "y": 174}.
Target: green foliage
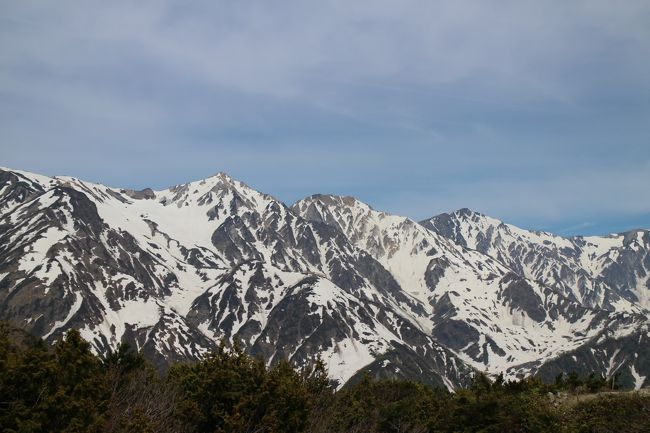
{"x": 500, "y": 406}
{"x": 609, "y": 414}
{"x": 125, "y": 359}
{"x": 386, "y": 406}
{"x": 52, "y": 390}
{"x": 68, "y": 389}
{"x": 65, "y": 388}
{"x": 232, "y": 392}
{"x": 140, "y": 400}
{"x": 590, "y": 384}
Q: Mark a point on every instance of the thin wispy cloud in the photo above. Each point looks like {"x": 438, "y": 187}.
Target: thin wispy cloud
{"x": 535, "y": 112}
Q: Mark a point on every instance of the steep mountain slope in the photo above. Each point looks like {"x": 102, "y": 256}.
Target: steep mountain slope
{"x": 611, "y": 272}
{"x": 493, "y": 318}
{"x": 626, "y": 357}
{"x": 175, "y": 271}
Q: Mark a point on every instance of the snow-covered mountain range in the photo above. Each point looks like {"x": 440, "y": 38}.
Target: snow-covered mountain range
{"x": 174, "y": 272}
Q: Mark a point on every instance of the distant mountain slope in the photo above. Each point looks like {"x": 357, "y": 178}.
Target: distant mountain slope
{"x": 176, "y": 271}
{"x": 611, "y": 272}
{"x": 495, "y": 319}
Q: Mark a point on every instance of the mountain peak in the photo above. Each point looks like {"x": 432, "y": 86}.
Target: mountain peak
{"x": 219, "y": 180}
{"x": 222, "y": 175}
{"x": 334, "y": 200}
{"x": 467, "y": 212}
{"x": 177, "y": 270}
{"x": 460, "y": 216}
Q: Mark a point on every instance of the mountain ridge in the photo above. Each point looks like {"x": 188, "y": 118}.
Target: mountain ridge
{"x": 174, "y": 271}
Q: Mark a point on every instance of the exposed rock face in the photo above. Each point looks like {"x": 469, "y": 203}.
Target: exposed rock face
{"x": 143, "y": 194}
{"x": 610, "y": 272}
{"x": 176, "y": 271}
{"x": 494, "y": 317}
{"x": 625, "y": 359}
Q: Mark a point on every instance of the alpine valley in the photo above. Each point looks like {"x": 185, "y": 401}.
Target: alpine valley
{"x": 175, "y": 272}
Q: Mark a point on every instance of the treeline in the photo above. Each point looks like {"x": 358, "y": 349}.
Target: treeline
{"x": 65, "y": 388}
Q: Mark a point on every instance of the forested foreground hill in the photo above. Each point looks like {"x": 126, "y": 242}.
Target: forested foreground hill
{"x": 65, "y": 388}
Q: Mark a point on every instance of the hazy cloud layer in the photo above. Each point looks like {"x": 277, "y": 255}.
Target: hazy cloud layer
{"x": 534, "y": 112}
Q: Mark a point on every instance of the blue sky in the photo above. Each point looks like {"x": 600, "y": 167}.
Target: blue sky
{"x": 537, "y": 113}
